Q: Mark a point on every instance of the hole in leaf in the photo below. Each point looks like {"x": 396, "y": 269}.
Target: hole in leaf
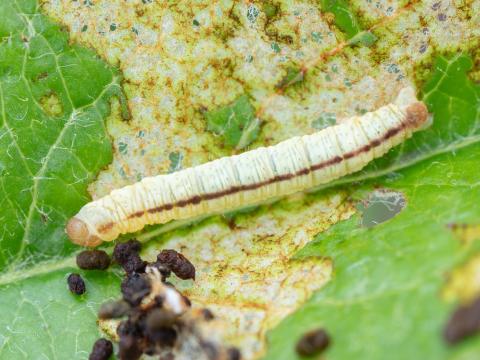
{"x": 380, "y": 206}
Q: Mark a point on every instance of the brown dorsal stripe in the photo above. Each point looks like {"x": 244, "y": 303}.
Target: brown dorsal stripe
{"x": 234, "y": 189}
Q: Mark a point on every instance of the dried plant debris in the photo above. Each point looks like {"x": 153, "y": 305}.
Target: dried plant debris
{"x": 102, "y": 350}
{"x": 113, "y": 309}
{"x": 76, "y": 284}
{"x": 156, "y": 319}
{"x": 312, "y": 343}
{"x": 93, "y": 260}
{"x": 161, "y": 322}
{"x": 463, "y": 323}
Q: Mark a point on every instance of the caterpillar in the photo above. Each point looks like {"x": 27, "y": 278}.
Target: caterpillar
{"x": 252, "y": 177}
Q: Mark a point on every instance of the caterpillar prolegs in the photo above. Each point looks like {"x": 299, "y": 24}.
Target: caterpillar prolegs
{"x": 252, "y": 177}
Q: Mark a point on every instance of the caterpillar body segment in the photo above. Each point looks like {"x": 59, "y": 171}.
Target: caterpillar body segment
{"x": 252, "y": 177}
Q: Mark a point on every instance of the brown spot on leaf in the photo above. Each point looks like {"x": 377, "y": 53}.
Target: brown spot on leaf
{"x": 464, "y": 232}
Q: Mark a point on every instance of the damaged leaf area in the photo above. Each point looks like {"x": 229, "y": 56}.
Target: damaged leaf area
{"x": 185, "y": 61}
{"x": 245, "y": 273}
{"x": 385, "y": 292}
{"x": 200, "y": 77}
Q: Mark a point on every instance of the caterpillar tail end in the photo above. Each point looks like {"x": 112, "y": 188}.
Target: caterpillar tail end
{"x": 77, "y": 231}
{"x": 417, "y": 116}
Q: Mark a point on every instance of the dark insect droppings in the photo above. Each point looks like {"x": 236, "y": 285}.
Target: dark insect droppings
{"x": 158, "y": 318}
{"x": 152, "y": 325}
{"x": 233, "y": 354}
{"x": 76, "y": 284}
{"x": 113, "y": 309}
{"x": 134, "y": 264}
{"x": 102, "y": 350}
{"x": 127, "y": 328}
{"x": 463, "y": 323}
{"x": 93, "y": 259}
{"x": 177, "y": 263}
{"x": 129, "y": 348}
{"x": 164, "y": 336}
{"x": 123, "y": 251}
{"x": 134, "y": 288}
{"x": 313, "y": 342}
{"x": 127, "y": 255}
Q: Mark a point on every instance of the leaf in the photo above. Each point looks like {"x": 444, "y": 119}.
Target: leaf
{"x": 175, "y": 161}
{"x": 292, "y": 77}
{"x": 270, "y": 10}
{"x": 54, "y": 97}
{"x": 453, "y": 100}
{"x": 46, "y": 160}
{"x": 40, "y": 318}
{"x": 178, "y": 60}
{"x": 345, "y": 19}
{"x": 385, "y": 291}
{"x": 365, "y": 38}
{"x": 236, "y": 123}
{"x": 388, "y": 278}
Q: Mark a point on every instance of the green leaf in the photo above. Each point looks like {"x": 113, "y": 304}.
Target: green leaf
{"x": 365, "y": 38}
{"x": 40, "y": 318}
{"x": 270, "y": 10}
{"x": 345, "y": 19}
{"x": 235, "y": 123}
{"x": 175, "y": 161}
{"x": 385, "y": 291}
{"x": 54, "y": 97}
{"x": 292, "y": 77}
{"x": 453, "y": 99}
{"x": 48, "y": 155}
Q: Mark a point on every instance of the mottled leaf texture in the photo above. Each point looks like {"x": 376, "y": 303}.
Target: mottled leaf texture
{"x": 53, "y": 101}
{"x": 385, "y": 293}
{"x": 384, "y": 299}
{"x": 454, "y": 101}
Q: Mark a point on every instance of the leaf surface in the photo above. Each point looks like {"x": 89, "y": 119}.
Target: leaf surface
{"x": 385, "y": 292}
{"x": 47, "y": 157}
{"x": 235, "y": 123}
{"x": 182, "y": 58}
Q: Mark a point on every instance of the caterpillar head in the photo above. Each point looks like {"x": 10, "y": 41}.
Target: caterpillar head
{"x": 79, "y": 233}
